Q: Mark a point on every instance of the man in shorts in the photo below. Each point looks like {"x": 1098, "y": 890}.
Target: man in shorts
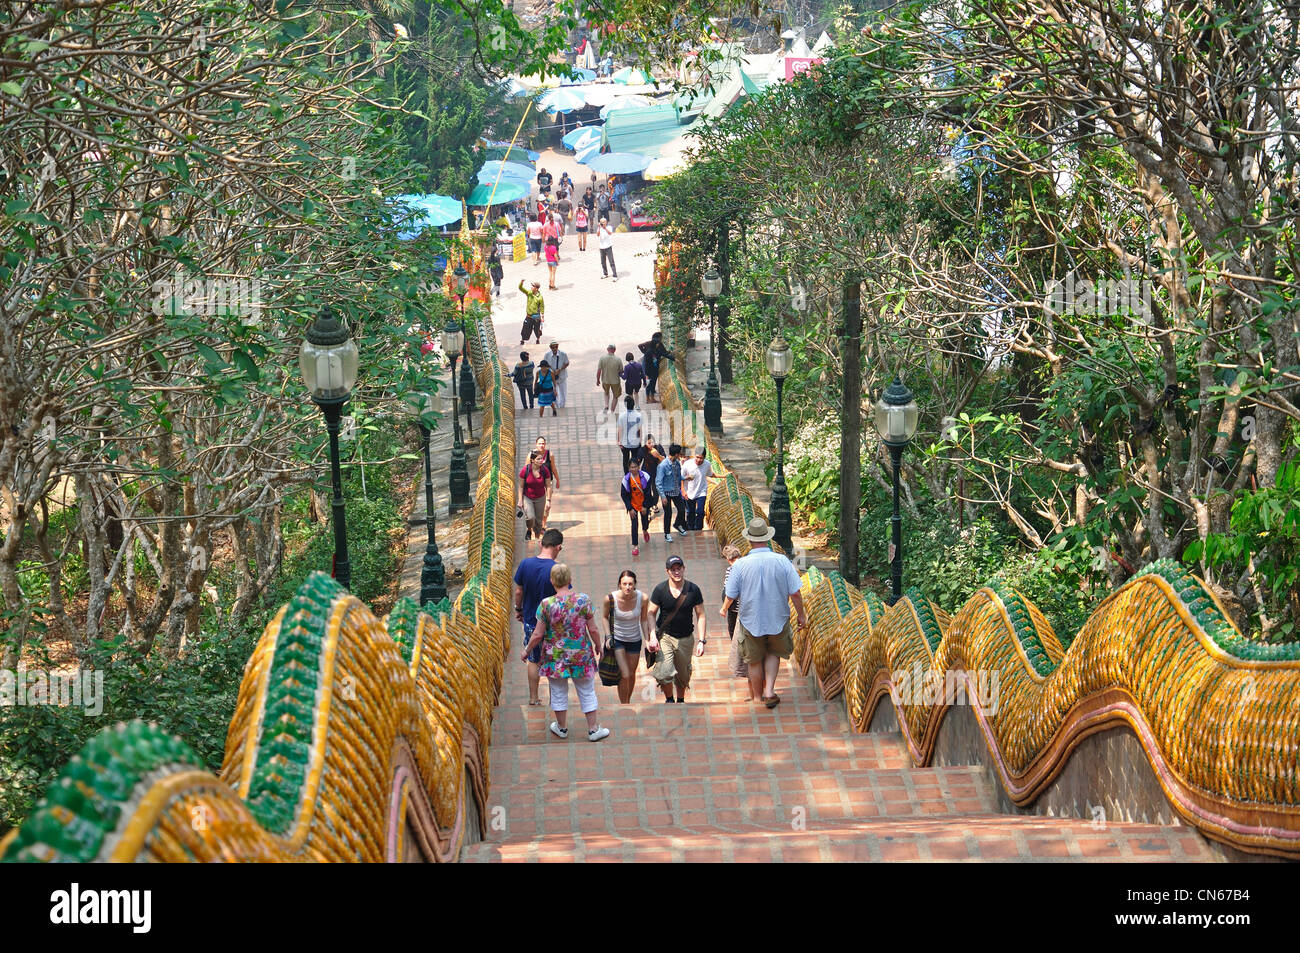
{"x": 764, "y": 583}
{"x": 532, "y": 585}
{"x": 607, "y": 379}
{"x": 675, "y": 606}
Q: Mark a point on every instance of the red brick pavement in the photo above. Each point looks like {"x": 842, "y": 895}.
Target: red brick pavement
{"x": 720, "y": 778}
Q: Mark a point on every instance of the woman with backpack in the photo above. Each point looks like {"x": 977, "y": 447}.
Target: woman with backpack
{"x": 534, "y": 497}
{"x": 627, "y": 610}
{"x": 522, "y": 375}
{"x": 635, "y": 491}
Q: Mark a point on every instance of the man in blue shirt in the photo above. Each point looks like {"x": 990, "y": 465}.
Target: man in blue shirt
{"x": 532, "y": 585}
{"x": 764, "y": 582}
{"x": 668, "y": 481}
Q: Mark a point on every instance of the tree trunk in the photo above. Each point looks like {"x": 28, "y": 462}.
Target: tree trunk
{"x": 851, "y": 428}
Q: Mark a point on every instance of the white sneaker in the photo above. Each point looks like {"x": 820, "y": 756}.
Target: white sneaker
{"x": 558, "y": 731}
{"x": 598, "y": 734}
{"x": 668, "y": 537}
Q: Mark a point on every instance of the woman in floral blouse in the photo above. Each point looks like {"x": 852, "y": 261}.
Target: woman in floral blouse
{"x": 571, "y": 649}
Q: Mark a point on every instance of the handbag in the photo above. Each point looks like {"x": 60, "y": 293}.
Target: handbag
{"x": 609, "y": 671}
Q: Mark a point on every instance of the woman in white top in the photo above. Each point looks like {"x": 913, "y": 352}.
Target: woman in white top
{"x": 627, "y": 612}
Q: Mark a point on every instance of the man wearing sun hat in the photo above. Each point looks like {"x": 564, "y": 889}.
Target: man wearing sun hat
{"x": 764, "y": 583}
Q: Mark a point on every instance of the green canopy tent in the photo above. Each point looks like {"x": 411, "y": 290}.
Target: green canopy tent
{"x": 643, "y": 131}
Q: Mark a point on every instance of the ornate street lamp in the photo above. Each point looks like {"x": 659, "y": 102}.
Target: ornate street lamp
{"x": 328, "y": 360}
{"x": 896, "y": 414}
{"x": 711, "y": 285}
{"x": 468, "y": 389}
{"x": 433, "y": 578}
{"x": 453, "y": 341}
{"x": 779, "y": 360}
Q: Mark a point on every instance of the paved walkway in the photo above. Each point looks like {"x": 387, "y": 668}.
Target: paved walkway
{"x": 719, "y": 778}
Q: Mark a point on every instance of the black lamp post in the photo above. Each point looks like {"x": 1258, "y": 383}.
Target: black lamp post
{"x": 433, "y": 578}
{"x": 328, "y": 360}
{"x": 711, "y": 285}
{"x": 468, "y": 389}
{"x": 896, "y": 414}
{"x": 779, "y": 360}
{"x": 453, "y": 340}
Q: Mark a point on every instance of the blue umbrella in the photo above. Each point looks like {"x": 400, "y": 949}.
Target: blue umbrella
{"x": 618, "y": 163}
{"x": 507, "y": 190}
{"x": 418, "y": 212}
{"x": 582, "y": 137}
{"x": 561, "y": 101}
{"x": 580, "y": 75}
{"x": 507, "y": 170}
{"x": 587, "y": 153}
{"x": 514, "y": 147}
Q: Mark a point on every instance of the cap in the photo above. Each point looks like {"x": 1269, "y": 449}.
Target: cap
{"x": 699, "y": 451}
{"x": 674, "y": 561}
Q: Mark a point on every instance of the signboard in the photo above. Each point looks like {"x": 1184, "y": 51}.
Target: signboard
{"x": 519, "y": 250}
{"x": 799, "y": 64}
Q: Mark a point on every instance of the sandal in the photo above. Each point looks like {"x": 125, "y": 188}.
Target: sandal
{"x": 535, "y": 703}
{"x": 773, "y": 701}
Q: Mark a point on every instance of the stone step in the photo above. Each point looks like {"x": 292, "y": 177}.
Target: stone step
{"x": 966, "y": 837}
{"x": 520, "y": 724}
{"x": 775, "y": 802}
{"x": 683, "y": 756}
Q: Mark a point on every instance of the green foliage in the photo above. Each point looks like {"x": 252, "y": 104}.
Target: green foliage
{"x": 1265, "y": 531}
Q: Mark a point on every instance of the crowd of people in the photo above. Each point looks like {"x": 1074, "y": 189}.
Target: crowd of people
{"x": 564, "y": 641}
{"x": 571, "y": 625}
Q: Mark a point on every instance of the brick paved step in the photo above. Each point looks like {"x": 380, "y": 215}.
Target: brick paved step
{"x": 683, "y": 756}
{"x": 520, "y": 724}
{"x": 772, "y": 802}
{"x": 969, "y": 837}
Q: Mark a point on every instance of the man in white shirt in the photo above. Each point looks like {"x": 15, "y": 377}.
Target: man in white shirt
{"x": 559, "y": 363}
{"x": 696, "y": 473}
{"x": 629, "y": 433}
{"x": 765, "y": 583}
{"x": 605, "y": 238}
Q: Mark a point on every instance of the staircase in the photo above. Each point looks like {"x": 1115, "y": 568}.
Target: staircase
{"x": 722, "y": 779}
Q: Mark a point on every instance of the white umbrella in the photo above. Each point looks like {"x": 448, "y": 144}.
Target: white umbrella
{"x": 663, "y": 167}
{"x": 625, "y": 102}
{"x": 630, "y": 75}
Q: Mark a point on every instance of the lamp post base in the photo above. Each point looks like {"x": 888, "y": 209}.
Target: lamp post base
{"x": 458, "y": 479}
{"x": 433, "y": 578}
{"x": 713, "y": 404}
{"x": 778, "y": 514}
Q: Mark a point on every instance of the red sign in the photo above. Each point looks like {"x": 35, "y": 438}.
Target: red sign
{"x": 799, "y": 64}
